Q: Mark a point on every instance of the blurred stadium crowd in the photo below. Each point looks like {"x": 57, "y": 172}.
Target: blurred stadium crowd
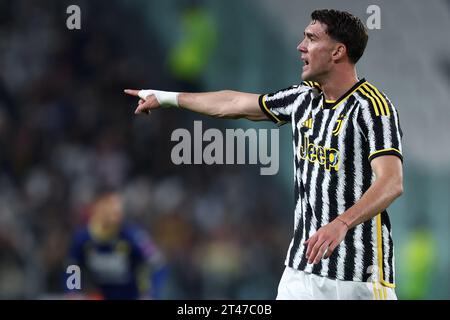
{"x": 67, "y": 131}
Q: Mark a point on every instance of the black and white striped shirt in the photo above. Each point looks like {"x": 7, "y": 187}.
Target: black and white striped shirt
{"x": 334, "y": 143}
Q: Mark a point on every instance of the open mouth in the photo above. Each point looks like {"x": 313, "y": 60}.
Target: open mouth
{"x": 305, "y": 63}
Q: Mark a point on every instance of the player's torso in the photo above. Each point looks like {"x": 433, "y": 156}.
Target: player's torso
{"x": 332, "y": 172}
{"x": 328, "y": 152}
{"x": 111, "y": 262}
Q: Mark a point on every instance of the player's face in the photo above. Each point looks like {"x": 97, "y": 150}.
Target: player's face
{"x": 316, "y": 52}
{"x": 113, "y": 214}
{"x": 109, "y": 213}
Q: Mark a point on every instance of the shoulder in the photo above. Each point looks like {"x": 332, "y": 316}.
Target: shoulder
{"x": 297, "y": 89}
{"x": 306, "y": 87}
{"x": 311, "y": 85}
{"x": 135, "y": 234}
{"x": 131, "y": 231}
{"x": 140, "y": 239}
{"x": 374, "y": 100}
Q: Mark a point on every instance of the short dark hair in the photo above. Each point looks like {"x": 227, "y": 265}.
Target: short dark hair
{"x": 346, "y": 28}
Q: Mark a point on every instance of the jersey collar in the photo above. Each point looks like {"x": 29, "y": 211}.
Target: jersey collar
{"x": 327, "y": 104}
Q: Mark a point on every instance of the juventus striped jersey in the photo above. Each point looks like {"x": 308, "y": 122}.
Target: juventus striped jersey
{"x": 334, "y": 143}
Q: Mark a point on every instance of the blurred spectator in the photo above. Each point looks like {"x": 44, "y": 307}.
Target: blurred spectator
{"x": 65, "y": 131}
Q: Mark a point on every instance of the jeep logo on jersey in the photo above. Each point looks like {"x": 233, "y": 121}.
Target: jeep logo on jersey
{"x": 326, "y": 157}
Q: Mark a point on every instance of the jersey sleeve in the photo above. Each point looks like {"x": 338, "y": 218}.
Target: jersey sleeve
{"x": 148, "y": 253}
{"x": 380, "y": 124}
{"x": 280, "y": 105}
{"x": 143, "y": 246}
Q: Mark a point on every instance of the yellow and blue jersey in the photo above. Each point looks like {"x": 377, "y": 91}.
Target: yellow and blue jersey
{"x": 116, "y": 267}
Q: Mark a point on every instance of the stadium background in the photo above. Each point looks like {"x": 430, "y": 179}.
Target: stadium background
{"x": 66, "y": 130}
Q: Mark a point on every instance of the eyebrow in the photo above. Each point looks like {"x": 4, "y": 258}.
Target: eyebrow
{"x": 310, "y": 34}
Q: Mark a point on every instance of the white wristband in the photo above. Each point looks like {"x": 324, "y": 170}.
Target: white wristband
{"x": 166, "y": 99}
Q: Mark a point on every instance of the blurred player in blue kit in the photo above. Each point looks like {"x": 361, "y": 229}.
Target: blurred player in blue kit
{"x": 117, "y": 259}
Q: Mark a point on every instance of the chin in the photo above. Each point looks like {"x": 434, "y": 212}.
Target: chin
{"x": 308, "y": 77}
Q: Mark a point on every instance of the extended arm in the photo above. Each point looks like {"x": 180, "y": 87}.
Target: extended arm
{"x": 386, "y": 188}
{"x": 221, "y": 104}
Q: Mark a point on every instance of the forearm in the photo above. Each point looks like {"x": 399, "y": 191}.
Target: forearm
{"x": 223, "y": 104}
{"x": 386, "y": 188}
{"x": 376, "y": 199}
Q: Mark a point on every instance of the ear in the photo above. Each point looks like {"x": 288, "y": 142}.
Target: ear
{"x": 339, "y": 51}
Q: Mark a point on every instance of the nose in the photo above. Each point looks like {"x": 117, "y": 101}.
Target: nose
{"x": 301, "y": 46}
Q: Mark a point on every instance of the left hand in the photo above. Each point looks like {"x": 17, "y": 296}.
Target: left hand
{"x": 324, "y": 241}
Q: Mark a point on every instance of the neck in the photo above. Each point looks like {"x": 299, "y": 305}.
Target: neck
{"x": 338, "y": 83}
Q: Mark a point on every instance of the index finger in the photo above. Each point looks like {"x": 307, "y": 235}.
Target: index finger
{"x": 131, "y": 92}
{"x": 311, "y": 243}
